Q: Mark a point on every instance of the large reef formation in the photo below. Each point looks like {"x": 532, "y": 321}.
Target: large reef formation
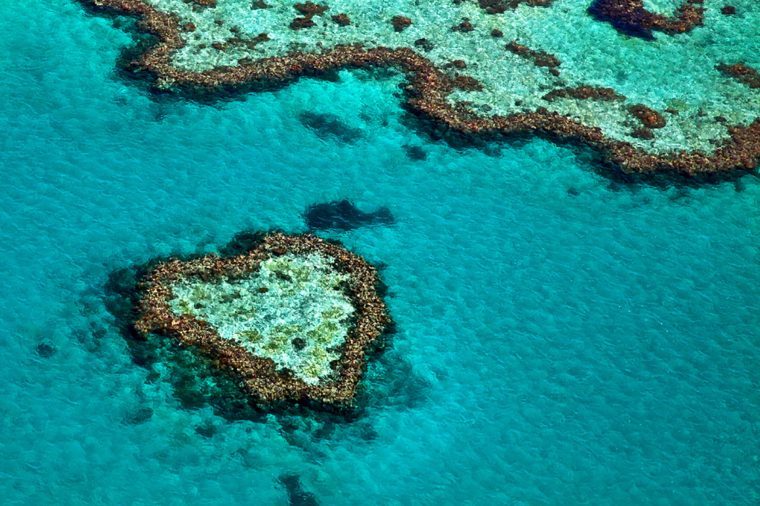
{"x": 493, "y": 67}
{"x": 290, "y": 320}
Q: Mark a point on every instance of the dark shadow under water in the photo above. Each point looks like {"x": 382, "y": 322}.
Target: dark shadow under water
{"x": 297, "y": 495}
{"x": 330, "y": 126}
{"x": 343, "y": 215}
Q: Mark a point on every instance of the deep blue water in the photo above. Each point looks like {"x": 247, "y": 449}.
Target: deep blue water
{"x": 562, "y": 338}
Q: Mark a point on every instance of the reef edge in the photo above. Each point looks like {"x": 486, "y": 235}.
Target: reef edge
{"x": 257, "y": 376}
{"x": 426, "y": 90}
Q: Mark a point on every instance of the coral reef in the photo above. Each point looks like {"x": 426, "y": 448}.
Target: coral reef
{"x": 742, "y": 73}
{"x": 528, "y": 85}
{"x": 290, "y": 319}
{"x": 632, "y": 18}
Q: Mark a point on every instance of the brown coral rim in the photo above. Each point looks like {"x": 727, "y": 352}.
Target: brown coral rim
{"x": 742, "y": 73}
{"x": 632, "y": 18}
{"x": 584, "y": 93}
{"x": 257, "y": 376}
{"x": 426, "y": 95}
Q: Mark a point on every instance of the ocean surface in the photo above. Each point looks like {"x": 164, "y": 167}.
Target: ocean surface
{"x": 563, "y": 337}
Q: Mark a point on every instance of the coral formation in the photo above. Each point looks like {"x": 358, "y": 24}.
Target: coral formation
{"x": 528, "y": 85}
{"x": 290, "y": 319}
{"x": 742, "y": 73}
{"x": 632, "y": 17}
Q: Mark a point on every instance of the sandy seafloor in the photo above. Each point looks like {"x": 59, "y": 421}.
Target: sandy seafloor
{"x": 562, "y": 338}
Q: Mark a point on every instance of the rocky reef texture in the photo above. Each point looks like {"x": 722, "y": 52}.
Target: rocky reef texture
{"x": 633, "y": 18}
{"x": 742, "y": 73}
{"x": 290, "y": 319}
{"x": 480, "y": 67}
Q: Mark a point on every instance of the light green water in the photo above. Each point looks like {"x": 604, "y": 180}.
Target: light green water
{"x": 287, "y": 298}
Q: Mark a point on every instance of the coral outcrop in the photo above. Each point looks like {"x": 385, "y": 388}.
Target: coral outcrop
{"x": 290, "y": 320}
{"x": 633, "y": 18}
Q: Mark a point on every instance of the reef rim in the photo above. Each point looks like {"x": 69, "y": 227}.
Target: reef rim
{"x": 257, "y": 376}
{"x": 426, "y": 91}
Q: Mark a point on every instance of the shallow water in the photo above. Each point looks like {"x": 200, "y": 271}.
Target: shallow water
{"x": 562, "y": 337}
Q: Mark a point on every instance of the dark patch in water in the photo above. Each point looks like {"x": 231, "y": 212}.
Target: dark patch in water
{"x": 415, "y": 153}
{"x": 159, "y": 112}
{"x": 45, "y": 350}
{"x": 633, "y": 27}
{"x": 573, "y": 191}
{"x": 393, "y": 381}
{"x": 240, "y": 243}
{"x": 207, "y": 429}
{"x": 344, "y": 215}
{"x": 297, "y": 496}
{"x": 138, "y": 416}
{"x": 678, "y": 194}
{"x": 330, "y": 126}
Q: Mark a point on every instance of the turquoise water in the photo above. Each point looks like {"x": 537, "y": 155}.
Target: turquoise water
{"x": 562, "y": 337}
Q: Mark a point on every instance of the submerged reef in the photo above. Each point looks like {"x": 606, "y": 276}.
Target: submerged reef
{"x": 344, "y": 215}
{"x": 672, "y": 100}
{"x": 329, "y": 125}
{"x": 290, "y": 319}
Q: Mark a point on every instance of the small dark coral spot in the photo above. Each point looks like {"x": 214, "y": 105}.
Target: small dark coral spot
{"x": 298, "y": 343}
{"x": 45, "y": 350}
{"x": 400, "y": 23}
{"x": 648, "y": 117}
{"x": 415, "y": 153}
{"x": 341, "y": 19}
{"x": 310, "y": 9}
{"x": 301, "y": 23}
{"x": 207, "y": 429}
{"x": 138, "y": 416}
{"x": 330, "y": 126}
{"x": 424, "y": 44}
{"x": 464, "y": 27}
{"x": 283, "y": 276}
{"x": 297, "y": 496}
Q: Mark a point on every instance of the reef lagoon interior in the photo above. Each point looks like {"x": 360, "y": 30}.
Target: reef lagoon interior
{"x": 289, "y": 297}
{"x": 565, "y": 334}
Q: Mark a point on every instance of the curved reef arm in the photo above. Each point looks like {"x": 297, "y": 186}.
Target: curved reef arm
{"x": 632, "y": 18}
{"x": 463, "y": 78}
